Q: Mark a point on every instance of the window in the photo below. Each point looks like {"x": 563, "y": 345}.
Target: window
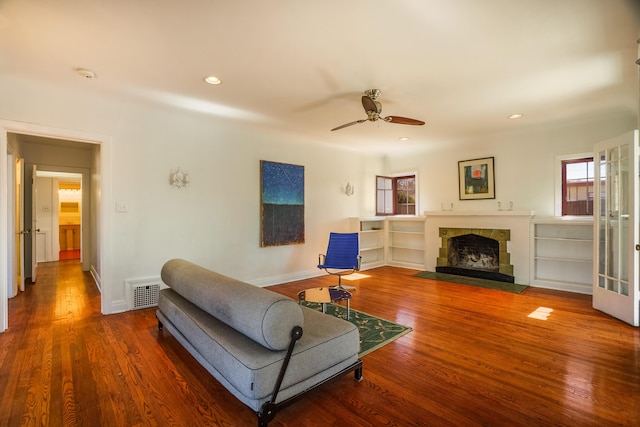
{"x": 577, "y": 186}
{"x": 384, "y": 195}
{"x": 396, "y": 195}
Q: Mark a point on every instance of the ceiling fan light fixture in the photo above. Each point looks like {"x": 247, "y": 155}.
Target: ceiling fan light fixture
{"x": 373, "y": 109}
{"x": 87, "y": 74}
{"x": 515, "y": 116}
{"x": 212, "y": 80}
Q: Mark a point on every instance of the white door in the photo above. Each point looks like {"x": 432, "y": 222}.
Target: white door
{"x": 615, "y": 282}
{"x": 20, "y": 225}
{"x": 34, "y": 225}
{"x": 12, "y": 272}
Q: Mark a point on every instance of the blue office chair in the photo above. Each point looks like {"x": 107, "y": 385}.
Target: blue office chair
{"x": 342, "y": 257}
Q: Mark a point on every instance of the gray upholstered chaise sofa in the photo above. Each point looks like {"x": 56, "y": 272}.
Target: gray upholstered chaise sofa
{"x": 263, "y": 347}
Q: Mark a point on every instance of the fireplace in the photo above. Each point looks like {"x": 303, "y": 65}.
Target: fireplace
{"x": 475, "y": 252}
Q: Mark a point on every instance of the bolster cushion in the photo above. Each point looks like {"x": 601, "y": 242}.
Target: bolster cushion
{"x": 262, "y": 315}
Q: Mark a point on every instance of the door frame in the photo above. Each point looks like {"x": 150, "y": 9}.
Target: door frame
{"x": 9, "y": 274}
{"x": 20, "y": 227}
{"x": 103, "y": 271}
{"x": 34, "y": 223}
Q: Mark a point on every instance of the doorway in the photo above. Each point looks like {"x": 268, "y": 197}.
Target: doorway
{"x": 57, "y": 216}
{"x": 69, "y": 219}
{"x": 50, "y": 147}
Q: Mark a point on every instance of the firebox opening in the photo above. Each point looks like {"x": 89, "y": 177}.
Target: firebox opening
{"x": 474, "y": 256}
{"x": 474, "y": 252}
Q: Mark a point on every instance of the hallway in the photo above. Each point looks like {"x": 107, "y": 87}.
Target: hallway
{"x": 63, "y": 363}
{"x": 44, "y": 347}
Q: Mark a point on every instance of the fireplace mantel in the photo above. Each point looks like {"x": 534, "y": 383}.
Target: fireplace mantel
{"x": 527, "y": 214}
{"x": 518, "y": 222}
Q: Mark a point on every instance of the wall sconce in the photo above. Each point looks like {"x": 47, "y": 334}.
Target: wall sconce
{"x": 348, "y": 189}
{"x": 179, "y": 178}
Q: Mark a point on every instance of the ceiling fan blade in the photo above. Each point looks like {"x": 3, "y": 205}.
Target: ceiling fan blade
{"x": 369, "y": 104}
{"x": 349, "y": 124}
{"x": 403, "y": 120}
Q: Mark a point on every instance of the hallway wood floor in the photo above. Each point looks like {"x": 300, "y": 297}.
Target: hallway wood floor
{"x": 474, "y": 358}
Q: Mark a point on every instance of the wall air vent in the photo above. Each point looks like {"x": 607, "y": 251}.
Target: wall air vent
{"x": 143, "y": 293}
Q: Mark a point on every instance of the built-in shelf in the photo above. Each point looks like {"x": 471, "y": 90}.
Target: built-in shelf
{"x": 406, "y": 242}
{"x": 372, "y": 240}
{"x": 587, "y": 261}
{"x": 563, "y": 238}
{"x": 554, "y": 253}
{"x": 393, "y": 240}
{"x": 562, "y": 254}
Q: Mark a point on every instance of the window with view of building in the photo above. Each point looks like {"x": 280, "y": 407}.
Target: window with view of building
{"x": 577, "y": 186}
{"x": 396, "y": 195}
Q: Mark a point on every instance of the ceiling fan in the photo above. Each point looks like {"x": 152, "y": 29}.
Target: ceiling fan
{"x": 373, "y": 109}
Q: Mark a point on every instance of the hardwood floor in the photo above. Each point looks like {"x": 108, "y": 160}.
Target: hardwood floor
{"x": 474, "y": 358}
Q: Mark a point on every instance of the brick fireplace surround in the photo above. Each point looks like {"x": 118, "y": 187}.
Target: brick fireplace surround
{"x": 516, "y": 244}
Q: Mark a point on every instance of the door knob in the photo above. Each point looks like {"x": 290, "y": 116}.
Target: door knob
{"x": 27, "y": 231}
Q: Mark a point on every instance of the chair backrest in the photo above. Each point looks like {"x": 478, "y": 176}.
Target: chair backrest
{"x": 342, "y": 251}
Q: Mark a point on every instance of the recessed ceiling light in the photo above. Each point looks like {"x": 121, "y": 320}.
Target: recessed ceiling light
{"x": 212, "y": 80}
{"x": 404, "y": 138}
{"x": 87, "y": 74}
{"x": 516, "y": 116}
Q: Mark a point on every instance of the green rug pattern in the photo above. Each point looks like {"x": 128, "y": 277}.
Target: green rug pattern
{"x": 483, "y": 283}
{"x": 374, "y": 331}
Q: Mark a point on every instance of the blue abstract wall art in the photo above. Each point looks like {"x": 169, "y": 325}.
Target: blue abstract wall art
{"x": 282, "y": 204}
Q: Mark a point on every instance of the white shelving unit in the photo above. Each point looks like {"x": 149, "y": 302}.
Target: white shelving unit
{"x": 562, "y": 254}
{"x": 391, "y": 240}
{"x": 406, "y": 242}
{"x": 372, "y": 240}
{"x": 553, "y": 253}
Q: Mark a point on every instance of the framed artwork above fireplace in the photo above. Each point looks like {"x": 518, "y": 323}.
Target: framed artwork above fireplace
{"x": 476, "y": 179}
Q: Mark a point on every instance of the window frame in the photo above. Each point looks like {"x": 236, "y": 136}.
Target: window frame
{"x": 560, "y": 191}
{"x": 394, "y": 191}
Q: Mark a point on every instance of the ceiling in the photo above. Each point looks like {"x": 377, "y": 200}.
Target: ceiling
{"x": 301, "y": 67}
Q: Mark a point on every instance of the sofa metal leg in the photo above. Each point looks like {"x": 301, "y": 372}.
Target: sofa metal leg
{"x": 266, "y": 414}
{"x": 357, "y": 373}
{"x": 160, "y": 325}
{"x": 269, "y": 409}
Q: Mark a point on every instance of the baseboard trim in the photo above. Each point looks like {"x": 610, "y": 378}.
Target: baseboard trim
{"x": 285, "y": 278}
{"x": 96, "y": 277}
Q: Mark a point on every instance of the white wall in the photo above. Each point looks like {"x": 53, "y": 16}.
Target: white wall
{"x": 93, "y": 218}
{"x": 524, "y": 164}
{"x": 216, "y": 220}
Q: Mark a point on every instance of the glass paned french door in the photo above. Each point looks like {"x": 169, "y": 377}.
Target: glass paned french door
{"x": 615, "y": 288}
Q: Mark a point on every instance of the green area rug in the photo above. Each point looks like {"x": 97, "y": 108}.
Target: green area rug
{"x": 374, "y": 331}
{"x": 483, "y": 283}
